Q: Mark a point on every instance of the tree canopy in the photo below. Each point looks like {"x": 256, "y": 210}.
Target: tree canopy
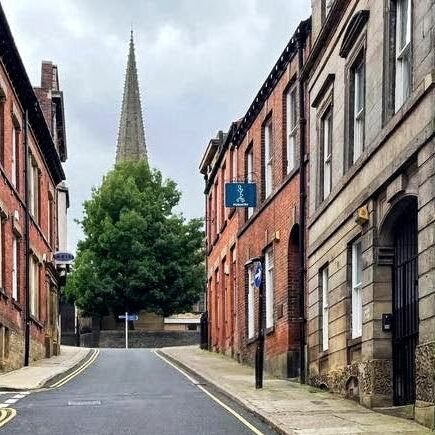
{"x": 137, "y": 252}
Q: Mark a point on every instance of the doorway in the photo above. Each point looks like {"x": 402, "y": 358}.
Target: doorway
{"x": 405, "y": 304}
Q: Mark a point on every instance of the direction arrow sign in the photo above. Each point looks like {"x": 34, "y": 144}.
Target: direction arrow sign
{"x": 130, "y": 317}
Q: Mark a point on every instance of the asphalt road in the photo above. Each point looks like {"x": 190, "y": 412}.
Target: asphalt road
{"x": 129, "y": 392}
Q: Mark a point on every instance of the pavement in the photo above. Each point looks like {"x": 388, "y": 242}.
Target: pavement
{"x": 288, "y": 407}
{"x": 130, "y": 391}
{"x": 40, "y": 372}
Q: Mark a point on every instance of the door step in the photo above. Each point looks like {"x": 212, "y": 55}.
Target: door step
{"x": 404, "y": 411}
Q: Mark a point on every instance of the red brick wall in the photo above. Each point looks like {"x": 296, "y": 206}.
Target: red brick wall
{"x": 274, "y": 224}
{"x": 222, "y": 249}
{"x": 13, "y": 200}
{"x": 271, "y": 225}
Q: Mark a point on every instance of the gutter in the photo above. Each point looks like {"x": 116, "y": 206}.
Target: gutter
{"x": 27, "y": 243}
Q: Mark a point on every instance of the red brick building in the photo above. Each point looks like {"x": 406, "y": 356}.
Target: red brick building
{"x": 219, "y": 165}
{"x": 264, "y": 147}
{"x": 32, "y": 146}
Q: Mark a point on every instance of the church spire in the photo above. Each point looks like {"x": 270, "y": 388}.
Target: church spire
{"x": 131, "y": 137}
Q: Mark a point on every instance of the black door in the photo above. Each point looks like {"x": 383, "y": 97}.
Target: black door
{"x": 405, "y": 307}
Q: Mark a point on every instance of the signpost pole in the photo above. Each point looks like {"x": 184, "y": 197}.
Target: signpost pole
{"x": 259, "y": 353}
{"x": 126, "y": 330}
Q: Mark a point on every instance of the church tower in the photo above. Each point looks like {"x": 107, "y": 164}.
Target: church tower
{"x": 131, "y": 136}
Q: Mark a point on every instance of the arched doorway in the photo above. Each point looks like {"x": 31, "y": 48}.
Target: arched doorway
{"x": 400, "y": 231}
{"x": 294, "y": 300}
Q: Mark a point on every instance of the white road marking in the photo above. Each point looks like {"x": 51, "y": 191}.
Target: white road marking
{"x": 11, "y": 401}
{"x": 84, "y": 402}
{"x": 17, "y": 396}
{"x": 225, "y": 406}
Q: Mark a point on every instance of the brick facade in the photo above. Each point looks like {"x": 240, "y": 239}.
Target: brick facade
{"x": 233, "y": 238}
{"x": 17, "y": 96}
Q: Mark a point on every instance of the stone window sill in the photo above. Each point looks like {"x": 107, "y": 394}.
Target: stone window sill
{"x": 252, "y": 339}
{"x": 3, "y": 294}
{"x": 351, "y": 342}
{"x": 270, "y": 330}
{"x": 17, "y": 305}
{"x": 39, "y": 324}
{"x": 323, "y": 354}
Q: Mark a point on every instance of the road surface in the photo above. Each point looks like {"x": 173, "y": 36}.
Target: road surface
{"x": 130, "y": 392}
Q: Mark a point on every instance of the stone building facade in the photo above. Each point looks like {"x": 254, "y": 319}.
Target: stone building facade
{"x": 371, "y": 226}
{"x": 366, "y": 119}
{"x": 32, "y": 145}
{"x": 264, "y": 148}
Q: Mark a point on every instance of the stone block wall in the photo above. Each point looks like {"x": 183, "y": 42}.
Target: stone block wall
{"x": 142, "y": 339}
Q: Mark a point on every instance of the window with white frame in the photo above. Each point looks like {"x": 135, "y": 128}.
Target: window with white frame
{"x": 269, "y": 288}
{"x": 210, "y": 218}
{"x": 34, "y": 189}
{"x": 223, "y": 210}
{"x": 358, "y": 109}
{"x": 34, "y": 286}
{"x": 233, "y": 169}
{"x": 356, "y": 289}
{"x": 2, "y": 127}
{"x": 14, "y": 157}
{"x": 216, "y": 208}
{"x": 324, "y": 289}
{"x": 251, "y": 299}
{"x": 268, "y": 159}
{"x": 403, "y": 53}
{"x": 15, "y": 260}
{"x": 50, "y": 219}
{"x": 326, "y": 7}
{"x": 291, "y": 105}
{"x": 250, "y": 174}
{"x": 326, "y": 153}
{"x": 218, "y": 301}
{"x": 1, "y": 251}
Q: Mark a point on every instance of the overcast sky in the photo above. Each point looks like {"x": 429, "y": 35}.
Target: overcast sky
{"x": 200, "y": 64}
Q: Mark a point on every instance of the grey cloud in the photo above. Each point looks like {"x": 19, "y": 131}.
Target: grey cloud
{"x": 200, "y": 64}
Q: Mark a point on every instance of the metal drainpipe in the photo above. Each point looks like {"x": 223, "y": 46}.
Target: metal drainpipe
{"x": 27, "y": 243}
{"x": 206, "y": 301}
{"x": 302, "y": 197}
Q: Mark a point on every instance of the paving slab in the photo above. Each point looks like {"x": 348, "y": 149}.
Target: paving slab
{"x": 40, "y": 372}
{"x": 288, "y": 406}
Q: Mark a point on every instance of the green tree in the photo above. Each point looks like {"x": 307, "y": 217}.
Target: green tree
{"x": 137, "y": 252}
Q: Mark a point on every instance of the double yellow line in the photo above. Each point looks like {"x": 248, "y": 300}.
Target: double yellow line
{"x": 6, "y": 415}
{"x": 76, "y": 372}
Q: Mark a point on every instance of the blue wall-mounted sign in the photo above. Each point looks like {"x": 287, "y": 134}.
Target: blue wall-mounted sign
{"x": 258, "y": 274}
{"x": 240, "y": 195}
{"x": 63, "y": 257}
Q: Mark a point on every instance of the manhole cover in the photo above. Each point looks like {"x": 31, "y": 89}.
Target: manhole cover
{"x": 84, "y": 402}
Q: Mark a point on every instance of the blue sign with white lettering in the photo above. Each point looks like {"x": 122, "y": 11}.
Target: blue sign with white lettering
{"x": 131, "y": 317}
{"x": 240, "y": 194}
